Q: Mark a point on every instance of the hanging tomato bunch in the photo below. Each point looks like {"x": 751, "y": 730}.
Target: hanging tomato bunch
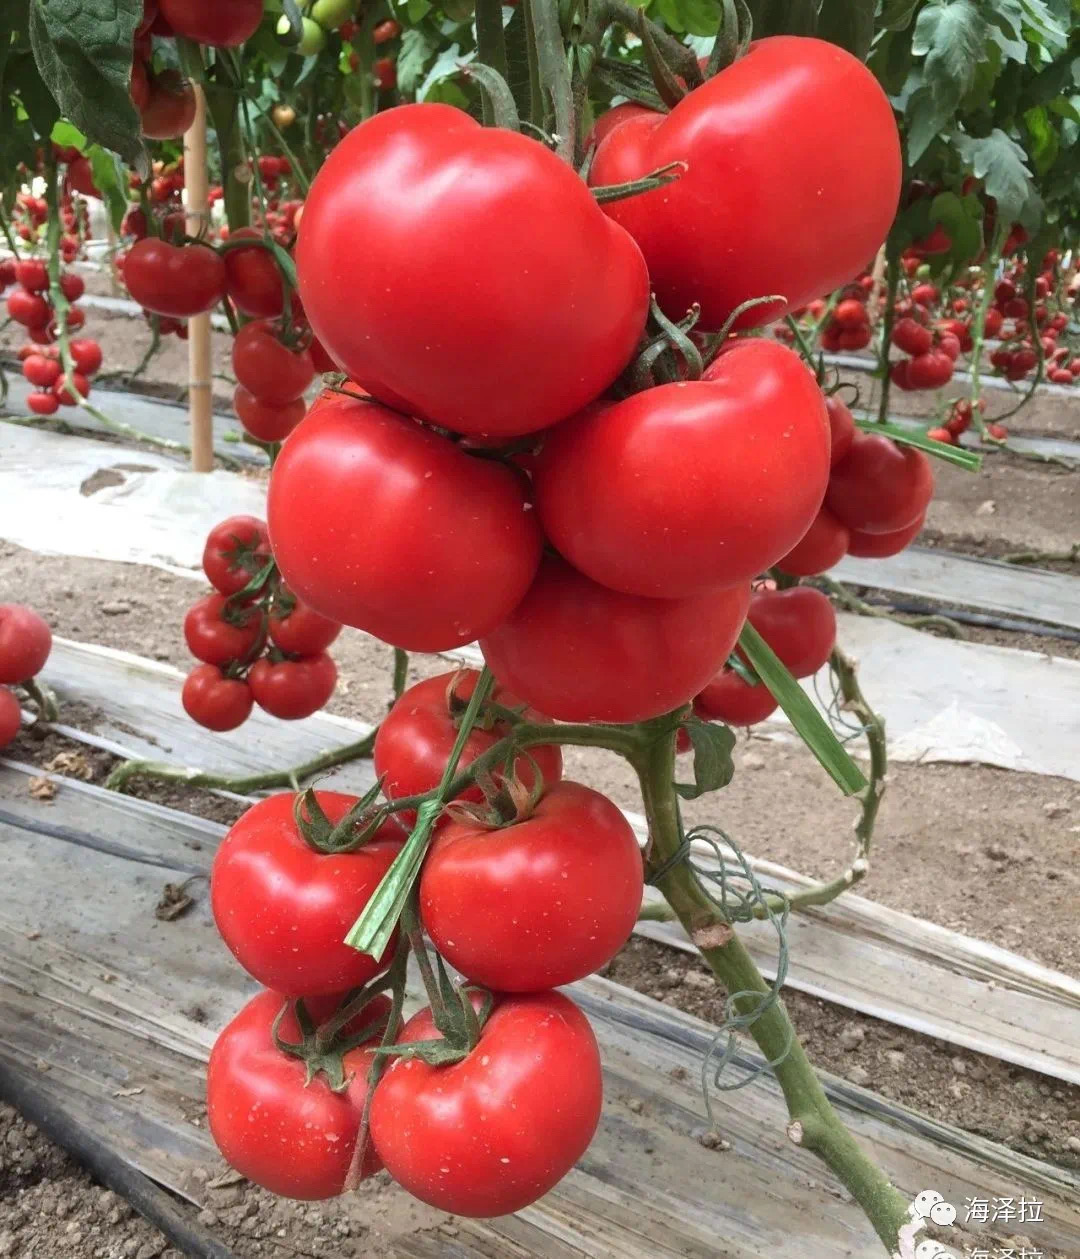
{"x": 257, "y": 643}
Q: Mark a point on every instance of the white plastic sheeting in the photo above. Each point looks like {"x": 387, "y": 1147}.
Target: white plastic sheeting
{"x": 64, "y": 495}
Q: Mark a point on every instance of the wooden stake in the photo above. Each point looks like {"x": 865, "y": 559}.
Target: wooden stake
{"x": 878, "y": 276}
{"x": 200, "y": 396}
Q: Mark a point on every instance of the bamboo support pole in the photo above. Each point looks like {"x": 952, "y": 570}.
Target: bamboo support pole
{"x": 200, "y": 385}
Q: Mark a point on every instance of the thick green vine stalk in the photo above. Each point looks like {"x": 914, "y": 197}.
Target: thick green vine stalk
{"x": 814, "y": 1124}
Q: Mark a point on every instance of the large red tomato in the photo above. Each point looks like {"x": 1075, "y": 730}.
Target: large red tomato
{"x": 567, "y": 882}
{"x": 879, "y": 487}
{"x": 416, "y": 737}
{"x": 284, "y": 908}
{"x": 793, "y": 179}
{"x": 384, "y": 525}
{"x": 824, "y": 544}
{"x": 177, "y": 280}
{"x": 583, "y": 652}
{"x": 294, "y": 1137}
{"x": 222, "y": 23}
{"x": 492, "y": 1133}
{"x": 798, "y": 624}
{"x": 484, "y": 255}
{"x": 682, "y": 488}
{"x": 25, "y": 643}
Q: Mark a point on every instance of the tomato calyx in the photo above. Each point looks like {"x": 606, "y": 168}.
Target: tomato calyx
{"x": 354, "y": 830}
{"x": 322, "y": 1048}
{"x": 507, "y": 799}
{"x": 658, "y": 178}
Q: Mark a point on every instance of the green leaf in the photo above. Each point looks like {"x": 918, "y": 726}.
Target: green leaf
{"x": 925, "y": 118}
{"x": 1044, "y": 145}
{"x": 811, "y": 726}
{"x": 446, "y": 66}
{"x": 849, "y": 23}
{"x": 83, "y": 51}
{"x": 1000, "y": 162}
{"x": 417, "y": 10}
{"x": 416, "y": 52}
{"x": 110, "y": 179}
{"x": 68, "y": 136}
{"x": 1007, "y": 30}
{"x": 692, "y": 17}
{"x": 896, "y": 15}
{"x": 969, "y": 460}
{"x": 952, "y": 37}
{"x": 713, "y": 767}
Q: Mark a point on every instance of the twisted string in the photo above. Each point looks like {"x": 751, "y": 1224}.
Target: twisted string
{"x": 734, "y": 891}
{"x": 843, "y": 726}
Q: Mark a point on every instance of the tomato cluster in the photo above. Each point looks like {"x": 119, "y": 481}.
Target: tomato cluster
{"x": 25, "y": 643}
{"x": 257, "y": 643}
{"x": 31, "y": 306}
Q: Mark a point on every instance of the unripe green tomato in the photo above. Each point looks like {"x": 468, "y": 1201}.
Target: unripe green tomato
{"x": 331, "y": 13}
{"x": 312, "y": 41}
{"x": 923, "y": 272}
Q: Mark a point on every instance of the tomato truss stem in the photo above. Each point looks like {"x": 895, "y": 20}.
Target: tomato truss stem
{"x": 814, "y": 1123}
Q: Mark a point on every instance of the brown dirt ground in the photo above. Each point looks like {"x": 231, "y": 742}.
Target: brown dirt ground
{"x": 1013, "y": 837}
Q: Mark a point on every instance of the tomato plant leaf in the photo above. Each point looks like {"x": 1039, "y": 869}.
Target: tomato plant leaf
{"x": 951, "y": 38}
{"x": 811, "y": 726}
{"x": 110, "y": 179}
{"x": 849, "y": 23}
{"x": 416, "y": 51}
{"x": 690, "y": 17}
{"x": 713, "y": 767}
{"x": 969, "y": 460}
{"x": 83, "y": 51}
{"x": 1001, "y": 163}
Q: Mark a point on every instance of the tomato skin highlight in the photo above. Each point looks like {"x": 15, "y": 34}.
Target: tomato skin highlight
{"x": 567, "y": 880}
{"x": 685, "y": 487}
{"x": 766, "y": 206}
{"x": 494, "y": 1132}
{"x": 295, "y": 1139}
{"x": 879, "y": 487}
{"x": 25, "y": 643}
{"x": 283, "y": 908}
{"x": 513, "y": 244}
{"x": 581, "y": 652}
{"x": 416, "y": 737}
{"x": 365, "y": 512}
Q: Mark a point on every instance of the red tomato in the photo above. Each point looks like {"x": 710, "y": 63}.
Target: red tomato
{"x": 582, "y": 652}
{"x": 841, "y": 428}
{"x": 932, "y": 369}
{"x": 32, "y": 274}
{"x": 492, "y": 257}
{"x": 798, "y": 624}
{"x": 25, "y": 643}
{"x": 924, "y": 295}
{"x": 949, "y": 344}
{"x": 911, "y": 337}
{"x": 729, "y": 699}
{"x": 87, "y": 355}
{"x": 879, "y": 487}
{"x": 994, "y": 320}
{"x": 220, "y": 23}
{"x": 170, "y": 107}
{"x": 217, "y": 635}
{"x": 997, "y": 431}
{"x": 766, "y": 205}
{"x": 10, "y": 716}
{"x": 63, "y": 389}
{"x": 385, "y": 31}
{"x": 629, "y": 491}
{"x": 365, "y": 568}
{"x": 576, "y": 855}
{"x": 41, "y": 371}
{"x": 43, "y": 403}
{"x": 850, "y": 313}
{"x": 416, "y": 737}
{"x": 944, "y": 435}
{"x": 490, "y": 1134}
{"x": 263, "y": 421}
{"x": 385, "y": 74}
{"x": 822, "y": 546}
{"x": 608, "y": 121}
{"x": 306, "y": 900}
{"x": 236, "y": 549}
{"x": 176, "y": 280}
{"x": 268, "y": 368}
{"x": 881, "y": 545}
{"x": 215, "y": 701}
{"x": 252, "y": 276}
{"x": 302, "y": 631}
{"x": 139, "y": 85}
{"x": 29, "y": 309}
{"x": 292, "y": 1136}
{"x": 292, "y": 689}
